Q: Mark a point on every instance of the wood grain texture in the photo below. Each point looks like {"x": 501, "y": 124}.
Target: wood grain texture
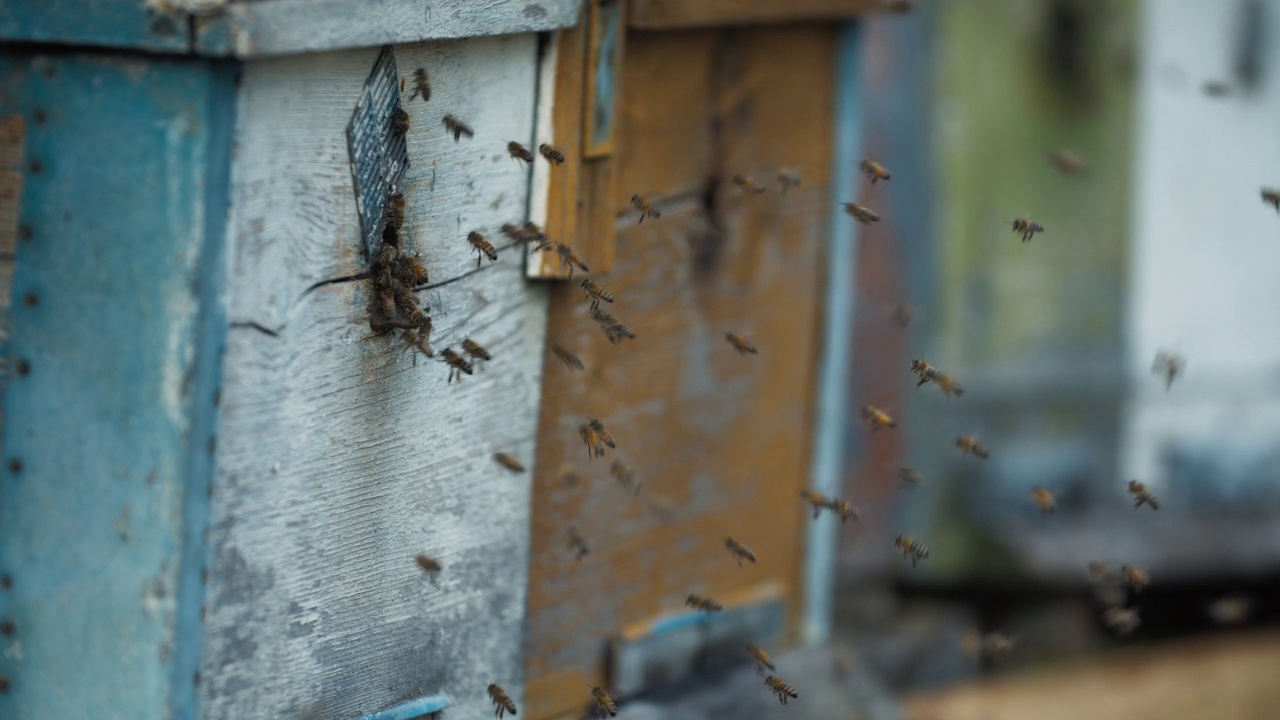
{"x": 673, "y": 14}
{"x": 725, "y": 439}
{"x": 341, "y": 455}
{"x": 254, "y": 28}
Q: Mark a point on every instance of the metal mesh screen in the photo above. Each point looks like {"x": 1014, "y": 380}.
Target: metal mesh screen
{"x": 378, "y": 154}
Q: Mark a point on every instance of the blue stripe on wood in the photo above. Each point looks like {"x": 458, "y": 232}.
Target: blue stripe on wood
{"x": 413, "y": 709}
{"x": 101, "y": 528}
{"x": 113, "y": 23}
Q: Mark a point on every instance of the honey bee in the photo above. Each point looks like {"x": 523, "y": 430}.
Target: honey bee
{"x": 457, "y": 128}
{"x": 552, "y": 155}
{"x": 1230, "y": 610}
{"x": 970, "y": 445}
{"x": 595, "y": 448}
{"x": 1027, "y": 228}
{"x": 604, "y": 704}
{"x": 568, "y": 257}
{"x": 1044, "y": 500}
{"x": 421, "y": 86}
{"x": 874, "y": 170}
{"x": 763, "y": 661}
{"x": 501, "y": 702}
{"x": 787, "y": 179}
{"x": 571, "y": 360}
{"x": 843, "y": 508}
{"x": 748, "y": 185}
{"x": 1142, "y": 495}
{"x": 924, "y": 370}
{"x": 902, "y": 315}
{"x": 508, "y": 462}
{"x": 577, "y": 543}
{"x": 395, "y": 210}
{"x": 514, "y": 232}
{"x": 875, "y": 418}
{"x": 457, "y": 365}
{"x": 704, "y": 604}
{"x": 864, "y": 215}
{"x": 1134, "y": 577}
{"x": 602, "y": 432}
{"x": 947, "y": 385}
{"x": 911, "y": 548}
{"x": 1121, "y": 619}
{"x": 625, "y": 476}
{"x": 1068, "y": 162}
{"x": 1169, "y": 365}
{"x": 596, "y": 293}
{"x": 386, "y": 257}
{"x": 420, "y": 339}
{"x": 739, "y": 551}
{"x": 817, "y": 500}
{"x": 617, "y": 332}
{"x": 1271, "y": 196}
{"x": 482, "y": 247}
{"x": 534, "y": 233}
{"x": 475, "y": 351}
{"x": 400, "y": 120}
{"x": 388, "y": 297}
{"x": 428, "y": 563}
{"x": 740, "y": 344}
{"x": 416, "y": 270}
{"x": 910, "y": 476}
{"x": 645, "y": 208}
{"x": 519, "y": 152}
{"x": 781, "y": 689}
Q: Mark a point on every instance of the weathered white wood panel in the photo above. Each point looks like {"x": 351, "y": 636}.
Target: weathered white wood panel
{"x": 340, "y": 455}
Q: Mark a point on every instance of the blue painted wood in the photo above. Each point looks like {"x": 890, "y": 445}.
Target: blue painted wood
{"x": 113, "y": 23}
{"x": 110, "y": 410}
{"x": 421, "y": 707}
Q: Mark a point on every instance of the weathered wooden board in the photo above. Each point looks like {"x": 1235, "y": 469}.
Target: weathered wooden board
{"x": 724, "y": 439}
{"x": 111, "y": 23}
{"x": 341, "y": 456}
{"x": 673, "y": 14}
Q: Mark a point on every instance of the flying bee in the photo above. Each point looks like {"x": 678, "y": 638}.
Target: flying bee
{"x": 1068, "y": 162}
{"x": 395, "y": 210}
{"x": 1230, "y": 609}
{"x": 603, "y": 317}
{"x": 1142, "y": 495}
{"x": 1271, "y": 196}
{"x": 902, "y": 315}
{"x": 596, "y": 293}
{"x": 617, "y": 332}
{"x": 787, "y": 179}
{"x": 501, "y": 702}
{"x": 969, "y": 445}
{"x": 475, "y": 351}
{"x": 428, "y": 563}
{"x": 602, "y": 432}
{"x": 874, "y": 170}
{"x": 1121, "y": 619}
{"x": 763, "y": 661}
{"x": 604, "y": 704}
{"x": 552, "y": 155}
{"x": 457, "y": 365}
{"x": 864, "y": 215}
{"x": 781, "y": 689}
{"x": 875, "y": 418}
{"x": 595, "y": 448}
{"x": 924, "y": 370}
{"x": 843, "y": 508}
{"x": 422, "y": 86}
{"x": 740, "y": 344}
{"x": 1044, "y": 500}
{"x": 947, "y": 385}
{"x": 457, "y": 128}
{"x": 514, "y": 232}
{"x": 625, "y": 476}
{"x": 748, "y": 185}
{"x": 815, "y": 499}
{"x": 910, "y": 476}
{"x": 571, "y": 360}
{"x": 1027, "y": 228}
{"x": 645, "y": 208}
{"x": 704, "y": 604}
{"x": 519, "y": 152}
{"x": 400, "y": 120}
{"x": 739, "y": 552}
{"x": 568, "y": 257}
{"x": 1169, "y": 365}
{"x": 577, "y": 543}
{"x": 482, "y": 247}
{"x": 911, "y": 548}
{"x": 508, "y": 462}
{"x": 1135, "y": 577}
{"x": 534, "y": 233}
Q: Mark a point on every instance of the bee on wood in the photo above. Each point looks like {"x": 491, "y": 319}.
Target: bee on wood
{"x": 748, "y": 185}
{"x": 902, "y": 315}
{"x": 571, "y": 360}
{"x": 388, "y": 298}
{"x": 787, "y": 179}
{"x": 602, "y": 432}
{"x": 1044, "y": 500}
{"x": 910, "y": 476}
{"x": 1134, "y": 577}
{"x": 400, "y": 120}
{"x": 817, "y": 500}
{"x": 482, "y": 247}
{"x": 1027, "y": 228}
{"x": 386, "y": 257}
{"x": 704, "y": 604}
{"x": 740, "y": 344}
{"x": 604, "y": 704}
{"x": 596, "y": 293}
{"x": 970, "y": 445}
{"x": 911, "y": 548}
{"x": 416, "y": 270}
{"x": 508, "y": 462}
{"x": 577, "y": 543}
{"x": 1142, "y": 495}
{"x": 625, "y": 476}
{"x": 763, "y": 661}
{"x": 874, "y": 171}
{"x": 739, "y": 551}
{"x": 864, "y": 215}
{"x": 475, "y": 351}
{"x": 457, "y": 128}
{"x": 645, "y": 208}
{"x": 457, "y": 365}
{"x": 395, "y": 210}
{"x": 781, "y": 689}
{"x": 519, "y": 152}
{"x": 1169, "y": 365}
{"x": 553, "y": 156}
{"x": 501, "y": 702}
{"x": 595, "y": 448}
{"x": 568, "y": 257}
{"x": 875, "y": 418}
{"x": 1121, "y": 619}
{"x": 420, "y": 339}
{"x": 1068, "y": 162}
{"x": 421, "y": 86}
{"x": 1271, "y": 196}
{"x": 1230, "y": 610}
{"x": 428, "y": 563}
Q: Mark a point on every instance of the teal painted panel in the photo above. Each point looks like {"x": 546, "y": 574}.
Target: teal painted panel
{"x": 109, "y": 408}
{"x": 112, "y": 23}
